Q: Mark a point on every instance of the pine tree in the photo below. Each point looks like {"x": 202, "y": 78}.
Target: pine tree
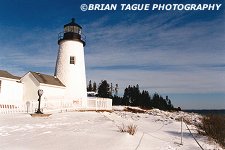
{"x": 126, "y": 96}
{"x": 116, "y": 89}
{"x": 161, "y": 103}
{"x": 116, "y": 100}
{"x": 89, "y": 88}
{"x": 111, "y": 89}
{"x": 94, "y": 87}
{"x": 145, "y": 100}
{"x": 104, "y": 90}
{"x": 131, "y": 95}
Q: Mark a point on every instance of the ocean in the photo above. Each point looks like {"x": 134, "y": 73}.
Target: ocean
{"x": 207, "y": 111}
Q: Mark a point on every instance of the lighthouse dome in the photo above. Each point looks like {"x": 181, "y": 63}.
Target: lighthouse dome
{"x": 72, "y": 24}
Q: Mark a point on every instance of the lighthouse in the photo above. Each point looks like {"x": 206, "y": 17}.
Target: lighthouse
{"x": 70, "y": 63}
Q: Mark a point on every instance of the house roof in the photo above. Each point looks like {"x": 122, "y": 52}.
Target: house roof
{"x": 47, "y": 79}
{"x": 6, "y": 74}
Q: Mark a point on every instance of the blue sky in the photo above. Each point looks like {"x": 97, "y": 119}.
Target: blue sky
{"x": 175, "y": 53}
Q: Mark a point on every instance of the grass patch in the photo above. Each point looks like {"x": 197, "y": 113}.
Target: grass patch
{"x": 131, "y": 129}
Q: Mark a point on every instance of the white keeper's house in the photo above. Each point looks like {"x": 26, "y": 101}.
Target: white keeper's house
{"x": 63, "y": 91}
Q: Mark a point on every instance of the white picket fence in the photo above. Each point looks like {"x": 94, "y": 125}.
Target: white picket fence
{"x": 99, "y": 103}
{"x": 58, "y": 106}
{"x": 6, "y": 109}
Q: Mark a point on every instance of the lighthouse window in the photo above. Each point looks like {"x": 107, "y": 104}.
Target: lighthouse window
{"x": 72, "y": 59}
{"x": 72, "y": 29}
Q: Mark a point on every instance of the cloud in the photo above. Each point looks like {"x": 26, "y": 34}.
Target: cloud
{"x": 166, "y": 53}
{"x": 159, "y": 54}
{"x": 164, "y": 81}
{"x": 35, "y": 50}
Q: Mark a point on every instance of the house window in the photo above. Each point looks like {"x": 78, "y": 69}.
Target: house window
{"x": 72, "y": 60}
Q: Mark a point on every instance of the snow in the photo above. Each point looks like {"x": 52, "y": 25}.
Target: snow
{"x": 156, "y": 130}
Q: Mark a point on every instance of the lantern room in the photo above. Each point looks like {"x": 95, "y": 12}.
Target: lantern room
{"x": 72, "y": 31}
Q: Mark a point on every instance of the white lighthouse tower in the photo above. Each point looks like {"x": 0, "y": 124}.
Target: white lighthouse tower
{"x": 70, "y": 64}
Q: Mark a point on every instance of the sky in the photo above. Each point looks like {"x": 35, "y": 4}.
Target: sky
{"x": 176, "y": 53}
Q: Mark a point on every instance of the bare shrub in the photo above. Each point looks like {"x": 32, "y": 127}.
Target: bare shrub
{"x": 131, "y": 129}
{"x": 133, "y": 110}
{"x": 122, "y": 128}
{"x": 214, "y": 127}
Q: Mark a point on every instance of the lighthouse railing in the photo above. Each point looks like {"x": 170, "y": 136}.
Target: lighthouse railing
{"x": 61, "y": 36}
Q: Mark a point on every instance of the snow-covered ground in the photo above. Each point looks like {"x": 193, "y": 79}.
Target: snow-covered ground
{"x": 99, "y": 131}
